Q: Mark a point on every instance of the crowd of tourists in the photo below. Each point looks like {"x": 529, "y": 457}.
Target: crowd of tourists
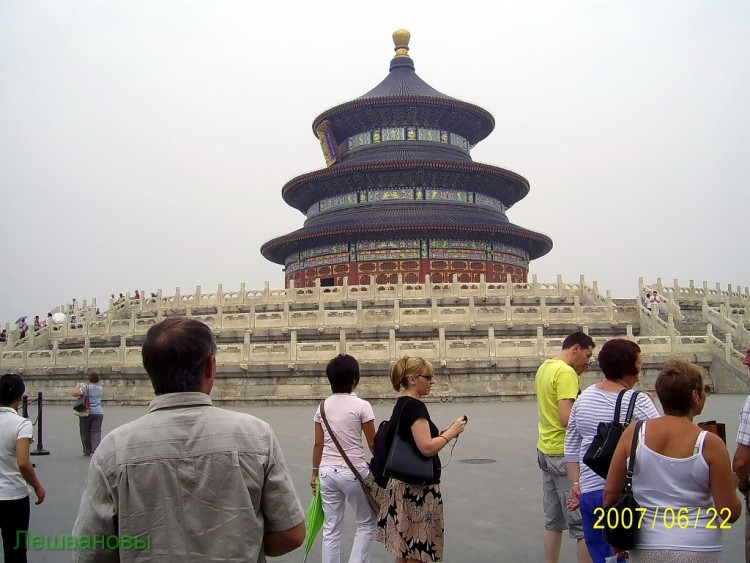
{"x": 242, "y": 504}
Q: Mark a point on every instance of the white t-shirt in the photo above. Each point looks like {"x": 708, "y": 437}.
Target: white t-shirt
{"x": 12, "y": 428}
{"x": 346, "y": 413}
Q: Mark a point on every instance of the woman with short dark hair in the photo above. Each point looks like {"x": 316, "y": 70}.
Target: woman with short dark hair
{"x": 620, "y": 361}
{"x": 17, "y": 475}
{"x": 348, "y": 416}
{"x": 90, "y": 427}
{"x": 679, "y": 470}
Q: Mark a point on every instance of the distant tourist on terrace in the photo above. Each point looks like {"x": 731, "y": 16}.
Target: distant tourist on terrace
{"x": 4, "y": 336}
{"x": 199, "y": 483}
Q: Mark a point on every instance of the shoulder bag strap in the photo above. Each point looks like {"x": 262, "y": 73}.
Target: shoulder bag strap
{"x": 338, "y": 445}
{"x": 618, "y": 406}
{"x": 631, "y": 464}
{"x": 631, "y": 408}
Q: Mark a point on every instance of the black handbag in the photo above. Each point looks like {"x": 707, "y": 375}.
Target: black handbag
{"x": 406, "y": 463}
{"x": 599, "y": 454}
{"x": 621, "y": 529}
{"x": 81, "y": 406}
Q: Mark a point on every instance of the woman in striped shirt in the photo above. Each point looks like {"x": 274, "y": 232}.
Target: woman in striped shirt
{"x": 620, "y": 361}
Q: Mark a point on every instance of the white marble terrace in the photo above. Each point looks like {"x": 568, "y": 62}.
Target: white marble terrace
{"x": 378, "y": 323}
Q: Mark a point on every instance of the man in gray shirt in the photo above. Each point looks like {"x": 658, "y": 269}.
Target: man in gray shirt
{"x": 187, "y": 480}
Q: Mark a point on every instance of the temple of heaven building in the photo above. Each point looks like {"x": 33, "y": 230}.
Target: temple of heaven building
{"x": 401, "y": 195}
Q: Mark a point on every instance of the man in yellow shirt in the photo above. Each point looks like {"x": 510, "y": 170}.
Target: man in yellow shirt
{"x": 557, "y": 386}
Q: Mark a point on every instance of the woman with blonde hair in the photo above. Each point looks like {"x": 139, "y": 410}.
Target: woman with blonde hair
{"x": 413, "y": 517}
{"x": 680, "y": 471}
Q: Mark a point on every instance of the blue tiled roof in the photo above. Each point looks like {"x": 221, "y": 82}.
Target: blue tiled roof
{"x": 366, "y": 222}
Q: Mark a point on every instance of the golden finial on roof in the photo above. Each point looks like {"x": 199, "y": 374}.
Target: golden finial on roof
{"x": 401, "y": 41}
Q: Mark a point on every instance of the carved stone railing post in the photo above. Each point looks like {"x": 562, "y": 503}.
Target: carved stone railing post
{"x": 728, "y": 348}
{"x": 121, "y": 351}
{"x": 672, "y": 332}
{"x": 246, "y": 347}
{"x": 392, "y": 344}
{"x": 508, "y": 310}
{"x": 482, "y": 285}
{"x": 629, "y": 332}
{"x": 509, "y": 285}
{"x": 543, "y": 310}
{"x": 577, "y": 309}
{"x": 342, "y": 341}
{"x": 491, "y": 342}
{"x": 441, "y": 346}
{"x": 428, "y": 286}
{"x": 534, "y": 286}
{"x": 396, "y": 313}
{"x": 252, "y": 316}
{"x": 560, "y": 285}
{"x": 266, "y": 293}
{"x": 220, "y": 294}
{"x": 472, "y": 311}
{"x": 55, "y": 347}
{"x": 293, "y": 346}
{"x": 243, "y": 294}
{"x": 219, "y": 316}
{"x": 610, "y": 306}
{"x": 540, "y": 343}
{"x": 434, "y": 311}
{"x": 321, "y": 314}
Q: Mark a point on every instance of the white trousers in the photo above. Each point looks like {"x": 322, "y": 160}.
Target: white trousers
{"x": 337, "y": 486}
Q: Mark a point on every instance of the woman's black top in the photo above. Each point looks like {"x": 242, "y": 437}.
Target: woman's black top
{"x": 411, "y": 410}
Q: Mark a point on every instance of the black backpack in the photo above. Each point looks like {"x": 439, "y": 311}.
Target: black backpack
{"x": 382, "y": 447}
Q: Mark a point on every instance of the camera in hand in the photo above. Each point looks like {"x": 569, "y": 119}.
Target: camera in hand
{"x": 466, "y": 418}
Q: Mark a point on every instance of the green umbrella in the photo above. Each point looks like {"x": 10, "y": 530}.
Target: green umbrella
{"x": 314, "y": 520}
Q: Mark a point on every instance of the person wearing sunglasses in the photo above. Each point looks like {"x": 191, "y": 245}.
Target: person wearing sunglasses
{"x": 741, "y": 461}
{"x": 413, "y": 539}
{"x": 679, "y": 470}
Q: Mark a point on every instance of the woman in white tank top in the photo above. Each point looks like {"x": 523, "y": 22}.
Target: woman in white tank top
{"x": 682, "y": 477}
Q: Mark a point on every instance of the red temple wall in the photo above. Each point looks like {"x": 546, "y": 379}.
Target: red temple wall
{"x": 411, "y": 271}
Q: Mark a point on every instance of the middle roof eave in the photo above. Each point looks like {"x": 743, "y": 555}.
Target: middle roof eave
{"x": 304, "y": 190}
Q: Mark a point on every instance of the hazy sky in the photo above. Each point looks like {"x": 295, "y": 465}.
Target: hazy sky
{"x": 144, "y": 144}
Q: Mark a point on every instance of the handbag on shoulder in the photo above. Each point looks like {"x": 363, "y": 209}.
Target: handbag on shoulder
{"x": 598, "y": 456}
{"x": 623, "y": 535}
{"x": 406, "y": 463}
{"x": 81, "y": 406}
{"x": 374, "y": 494}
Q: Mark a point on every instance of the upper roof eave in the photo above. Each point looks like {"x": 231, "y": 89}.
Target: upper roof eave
{"x": 486, "y": 118}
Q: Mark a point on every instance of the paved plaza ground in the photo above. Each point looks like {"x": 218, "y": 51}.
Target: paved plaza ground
{"x": 493, "y": 510}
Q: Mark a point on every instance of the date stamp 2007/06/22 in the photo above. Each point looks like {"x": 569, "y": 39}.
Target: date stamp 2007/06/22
{"x": 667, "y": 517}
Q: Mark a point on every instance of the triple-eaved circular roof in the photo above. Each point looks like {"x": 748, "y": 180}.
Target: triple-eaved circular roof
{"x": 404, "y": 100}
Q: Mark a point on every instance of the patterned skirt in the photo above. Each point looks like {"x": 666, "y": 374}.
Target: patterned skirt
{"x": 673, "y": 556}
{"x": 413, "y": 521}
